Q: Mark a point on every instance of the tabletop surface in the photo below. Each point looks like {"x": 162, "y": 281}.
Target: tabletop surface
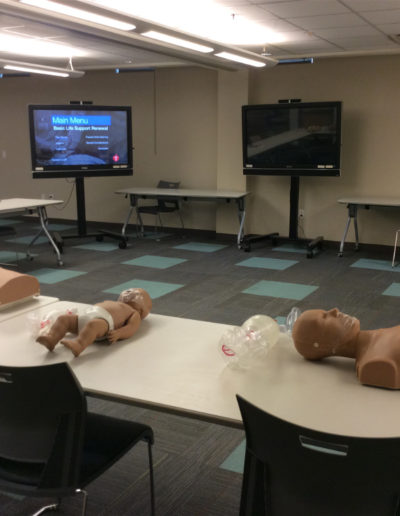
{"x": 27, "y": 305}
{"x": 183, "y": 192}
{"x": 21, "y": 203}
{"x": 175, "y": 364}
{"x": 370, "y": 200}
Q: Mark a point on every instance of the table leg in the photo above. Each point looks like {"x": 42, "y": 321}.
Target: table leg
{"x": 242, "y": 216}
{"x": 352, "y": 209}
{"x": 43, "y": 223}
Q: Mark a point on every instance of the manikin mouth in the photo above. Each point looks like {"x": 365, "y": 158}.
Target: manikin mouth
{"x": 347, "y": 320}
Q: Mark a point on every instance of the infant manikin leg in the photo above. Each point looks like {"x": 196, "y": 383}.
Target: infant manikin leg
{"x": 63, "y": 324}
{"x": 93, "y": 330}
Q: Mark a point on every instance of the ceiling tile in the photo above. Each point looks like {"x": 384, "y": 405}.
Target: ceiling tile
{"x": 391, "y": 16}
{"x": 371, "y": 42}
{"x": 333, "y": 20}
{"x": 371, "y": 5}
{"x": 306, "y": 8}
{"x": 346, "y": 32}
{"x": 390, "y": 28}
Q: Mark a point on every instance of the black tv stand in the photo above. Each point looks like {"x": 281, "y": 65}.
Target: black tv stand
{"x": 312, "y": 246}
{"x": 81, "y": 221}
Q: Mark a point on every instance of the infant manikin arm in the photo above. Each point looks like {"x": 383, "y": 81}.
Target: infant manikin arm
{"x": 126, "y": 331}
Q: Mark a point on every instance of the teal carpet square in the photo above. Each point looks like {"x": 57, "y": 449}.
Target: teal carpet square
{"x": 235, "y": 461}
{"x": 155, "y": 262}
{"x": 28, "y": 239}
{"x": 9, "y": 222}
{"x": 281, "y": 319}
{"x": 98, "y": 246}
{"x": 57, "y": 227}
{"x": 154, "y": 288}
{"x": 280, "y": 289}
{"x": 199, "y": 246}
{"x": 10, "y": 256}
{"x": 267, "y": 263}
{"x": 51, "y": 276}
{"x": 379, "y": 265}
{"x": 290, "y": 248}
{"x": 392, "y": 290}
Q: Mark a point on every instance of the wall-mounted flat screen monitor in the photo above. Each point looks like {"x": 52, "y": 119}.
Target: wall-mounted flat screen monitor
{"x": 80, "y": 140}
{"x": 292, "y": 139}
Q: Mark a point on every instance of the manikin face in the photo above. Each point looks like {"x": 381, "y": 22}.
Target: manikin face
{"x": 320, "y": 333}
{"x": 138, "y": 299}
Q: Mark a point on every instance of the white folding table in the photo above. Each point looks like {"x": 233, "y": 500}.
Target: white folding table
{"x": 174, "y": 364}
{"x": 184, "y": 194}
{"x": 33, "y": 205}
{"x": 353, "y": 203}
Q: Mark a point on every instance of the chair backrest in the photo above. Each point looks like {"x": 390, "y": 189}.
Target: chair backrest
{"x": 42, "y": 417}
{"x": 292, "y": 470}
{"x": 170, "y": 204}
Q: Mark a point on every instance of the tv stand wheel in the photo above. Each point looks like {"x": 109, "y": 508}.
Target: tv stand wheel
{"x": 60, "y": 263}
{"x": 340, "y": 255}
{"x": 122, "y": 244}
{"x": 310, "y": 254}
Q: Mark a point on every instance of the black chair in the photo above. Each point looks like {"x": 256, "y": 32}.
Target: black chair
{"x": 162, "y": 206}
{"x": 292, "y": 470}
{"x": 50, "y": 446}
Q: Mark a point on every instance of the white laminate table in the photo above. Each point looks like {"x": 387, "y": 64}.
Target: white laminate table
{"x": 25, "y": 306}
{"x": 39, "y": 206}
{"x": 185, "y": 194}
{"x": 353, "y": 203}
{"x": 175, "y": 365}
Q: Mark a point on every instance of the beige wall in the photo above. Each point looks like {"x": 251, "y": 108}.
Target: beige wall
{"x": 368, "y": 88}
{"x": 174, "y": 136}
{"x": 187, "y": 127}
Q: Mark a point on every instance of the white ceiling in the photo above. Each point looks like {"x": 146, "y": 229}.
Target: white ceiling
{"x": 310, "y": 28}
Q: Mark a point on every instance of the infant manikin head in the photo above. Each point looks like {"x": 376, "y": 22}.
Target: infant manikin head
{"x": 138, "y": 299}
{"x": 321, "y": 333}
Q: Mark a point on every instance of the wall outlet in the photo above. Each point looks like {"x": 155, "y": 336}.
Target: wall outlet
{"x": 51, "y": 196}
{"x": 301, "y": 214}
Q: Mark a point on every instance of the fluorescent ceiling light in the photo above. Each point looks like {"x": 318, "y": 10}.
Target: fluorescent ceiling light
{"x": 203, "y": 18}
{"x": 240, "y": 59}
{"x": 35, "y": 70}
{"x": 39, "y": 69}
{"x": 37, "y": 47}
{"x": 177, "y": 41}
{"x": 79, "y": 13}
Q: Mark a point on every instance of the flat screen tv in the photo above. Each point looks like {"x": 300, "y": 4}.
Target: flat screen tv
{"x": 292, "y": 139}
{"x": 80, "y": 140}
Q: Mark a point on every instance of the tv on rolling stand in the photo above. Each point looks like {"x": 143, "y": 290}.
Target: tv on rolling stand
{"x": 78, "y": 141}
{"x": 292, "y": 139}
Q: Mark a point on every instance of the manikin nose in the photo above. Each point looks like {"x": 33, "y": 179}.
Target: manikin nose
{"x": 333, "y": 312}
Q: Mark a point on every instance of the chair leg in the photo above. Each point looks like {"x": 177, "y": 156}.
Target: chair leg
{"x": 395, "y": 247}
{"x": 84, "y": 503}
{"x": 48, "y": 508}
{"x": 180, "y": 216}
{"x": 151, "y": 474}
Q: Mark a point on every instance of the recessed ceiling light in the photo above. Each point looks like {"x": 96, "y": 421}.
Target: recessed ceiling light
{"x": 177, "y": 41}
{"x": 79, "y": 13}
{"x": 241, "y": 59}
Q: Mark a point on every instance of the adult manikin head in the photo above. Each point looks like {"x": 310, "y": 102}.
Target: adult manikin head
{"x": 321, "y": 333}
